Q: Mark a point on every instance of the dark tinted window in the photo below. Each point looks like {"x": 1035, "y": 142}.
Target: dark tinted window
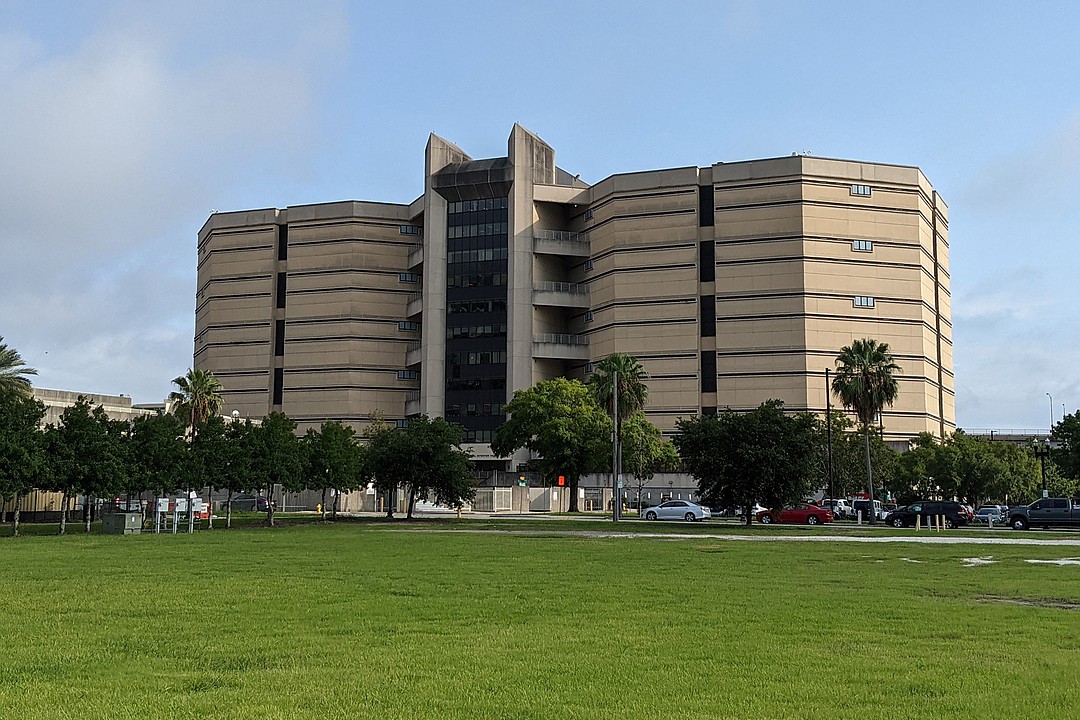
{"x": 705, "y": 206}
{"x": 1061, "y": 504}
{"x": 706, "y": 261}
{"x": 708, "y": 316}
{"x": 708, "y": 371}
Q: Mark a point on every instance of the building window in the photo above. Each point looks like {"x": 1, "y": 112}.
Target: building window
{"x": 279, "y": 338}
{"x": 406, "y": 375}
{"x": 411, "y": 230}
{"x": 408, "y": 277}
{"x": 862, "y": 245}
{"x": 864, "y": 301}
{"x": 706, "y": 206}
{"x": 589, "y": 367}
{"x": 708, "y": 316}
{"x": 408, "y": 325}
{"x": 706, "y": 261}
{"x": 588, "y": 316}
{"x": 282, "y": 242}
{"x": 401, "y": 424}
{"x": 861, "y": 190}
{"x": 279, "y": 386}
{"x": 708, "y": 371}
{"x": 281, "y": 290}
{"x": 588, "y": 265}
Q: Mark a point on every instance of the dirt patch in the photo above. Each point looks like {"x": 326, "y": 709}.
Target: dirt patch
{"x": 1031, "y": 602}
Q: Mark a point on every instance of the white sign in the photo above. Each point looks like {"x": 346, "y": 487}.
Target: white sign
{"x": 163, "y": 504}
{"x": 181, "y": 504}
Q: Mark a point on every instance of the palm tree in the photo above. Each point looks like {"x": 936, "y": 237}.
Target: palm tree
{"x": 619, "y": 379}
{"x": 865, "y": 384}
{"x": 632, "y": 390}
{"x": 12, "y": 371}
{"x": 198, "y": 398}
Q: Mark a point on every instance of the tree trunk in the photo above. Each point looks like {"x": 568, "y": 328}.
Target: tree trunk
{"x": 573, "y": 494}
{"x": 63, "y": 513}
{"x": 748, "y": 512}
{"x": 337, "y": 493}
{"x": 870, "y": 478}
{"x": 228, "y": 510}
{"x": 412, "y": 502}
{"x": 15, "y": 516}
{"x": 322, "y": 505}
{"x": 270, "y": 505}
{"x": 391, "y": 498}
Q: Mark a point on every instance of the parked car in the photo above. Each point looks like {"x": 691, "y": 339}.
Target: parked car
{"x": 840, "y": 507}
{"x": 677, "y": 510}
{"x": 955, "y": 514}
{"x": 862, "y": 505}
{"x": 804, "y": 513}
{"x": 256, "y": 503}
{"x": 738, "y": 511}
{"x": 989, "y": 513}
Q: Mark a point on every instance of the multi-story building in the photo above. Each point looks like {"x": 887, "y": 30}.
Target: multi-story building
{"x": 732, "y": 284}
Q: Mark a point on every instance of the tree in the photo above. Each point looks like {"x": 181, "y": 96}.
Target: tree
{"x": 619, "y": 378}
{"x": 13, "y": 372}
{"x": 197, "y": 398}
{"x": 865, "y": 384}
{"x": 158, "y": 455}
{"x": 334, "y": 459}
{"x": 645, "y": 452}
{"x": 560, "y": 421}
{"x": 211, "y": 456}
{"x": 277, "y": 457}
{"x": 423, "y": 458}
{"x": 240, "y": 471}
{"x": 849, "y": 462}
{"x": 22, "y": 449}
{"x": 741, "y": 458}
{"x": 1067, "y": 455}
{"x": 86, "y": 456}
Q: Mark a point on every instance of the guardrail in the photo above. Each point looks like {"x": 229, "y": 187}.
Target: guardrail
{"x": 561, "y": 236}
{"x": 565, "y": 287}
{"x": 561, "y": 339}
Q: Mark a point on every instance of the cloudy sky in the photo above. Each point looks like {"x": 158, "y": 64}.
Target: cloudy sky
{"x": 124, "y": 124}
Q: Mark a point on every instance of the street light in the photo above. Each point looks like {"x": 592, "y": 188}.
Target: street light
{"x": 1042, "y": 451}
{"x": 1051, "y": 411}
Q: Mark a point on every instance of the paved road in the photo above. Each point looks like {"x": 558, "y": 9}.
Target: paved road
{"x": 928, "y": 539}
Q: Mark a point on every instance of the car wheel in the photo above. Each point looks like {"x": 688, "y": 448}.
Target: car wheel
{"x": 898, "y": 522}
{"x": 650, "y": 515}
{"x": 1019, "y": 523}
{"x": 689, "y": 517}
{"x": 949, "y": 523}
{"x": 765, "y": 519}
{"x": 812, "y": 520}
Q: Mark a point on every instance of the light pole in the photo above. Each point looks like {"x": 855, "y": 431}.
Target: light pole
{"x": 828, "y": 429}
{"x": 1042, "y": 451}
{"x": 1051, "y": 412}
{"x": 615, "y": 464}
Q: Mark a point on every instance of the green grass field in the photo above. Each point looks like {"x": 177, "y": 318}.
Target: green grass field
{"x": 359, "y": 620}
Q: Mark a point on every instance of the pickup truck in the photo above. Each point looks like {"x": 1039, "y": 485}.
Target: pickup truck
{"x": 1044, "y": 513}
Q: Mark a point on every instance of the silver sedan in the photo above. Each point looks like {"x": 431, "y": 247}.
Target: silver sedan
{"x": 677, "y": 510}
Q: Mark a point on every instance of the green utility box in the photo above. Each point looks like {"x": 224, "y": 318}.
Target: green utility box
{"x": 121, "y": 523}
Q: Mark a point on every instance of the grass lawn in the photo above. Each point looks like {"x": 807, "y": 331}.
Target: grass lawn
{"x": 358, "y": 620}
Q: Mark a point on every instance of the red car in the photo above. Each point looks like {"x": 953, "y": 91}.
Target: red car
{"x": 804, "y": 513}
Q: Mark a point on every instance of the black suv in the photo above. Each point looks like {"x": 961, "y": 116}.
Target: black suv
{"x": 954, "y": 512}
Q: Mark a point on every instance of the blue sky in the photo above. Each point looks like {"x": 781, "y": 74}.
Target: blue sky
{"x": 124, "y": 124}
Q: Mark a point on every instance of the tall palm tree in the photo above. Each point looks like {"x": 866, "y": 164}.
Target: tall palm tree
{"x": 619, "y": 378}
{"x": 865, "y": 384}
{"x": 197, "y": 399}
{"x": 12, "y": 371}
{"x": 632, "y": 390}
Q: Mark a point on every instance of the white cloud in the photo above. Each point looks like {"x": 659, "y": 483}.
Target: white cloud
{"x": 115, "y": 151}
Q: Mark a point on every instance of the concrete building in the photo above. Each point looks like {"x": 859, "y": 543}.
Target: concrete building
{"x": 732, "y": 283}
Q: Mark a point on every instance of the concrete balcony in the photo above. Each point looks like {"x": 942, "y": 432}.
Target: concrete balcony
{"x": 416, "y": 304}
{"x": 561, "y": 294}
{"x": 416, "y": 256}
{"x": 412, "y": 403}
{"x": 413, "y": 354}
{"x": 561, "y": 346}
{"x": 561, "y": 242}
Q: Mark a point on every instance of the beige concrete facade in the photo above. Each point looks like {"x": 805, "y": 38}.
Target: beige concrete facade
{"x": 733, "y": 284}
